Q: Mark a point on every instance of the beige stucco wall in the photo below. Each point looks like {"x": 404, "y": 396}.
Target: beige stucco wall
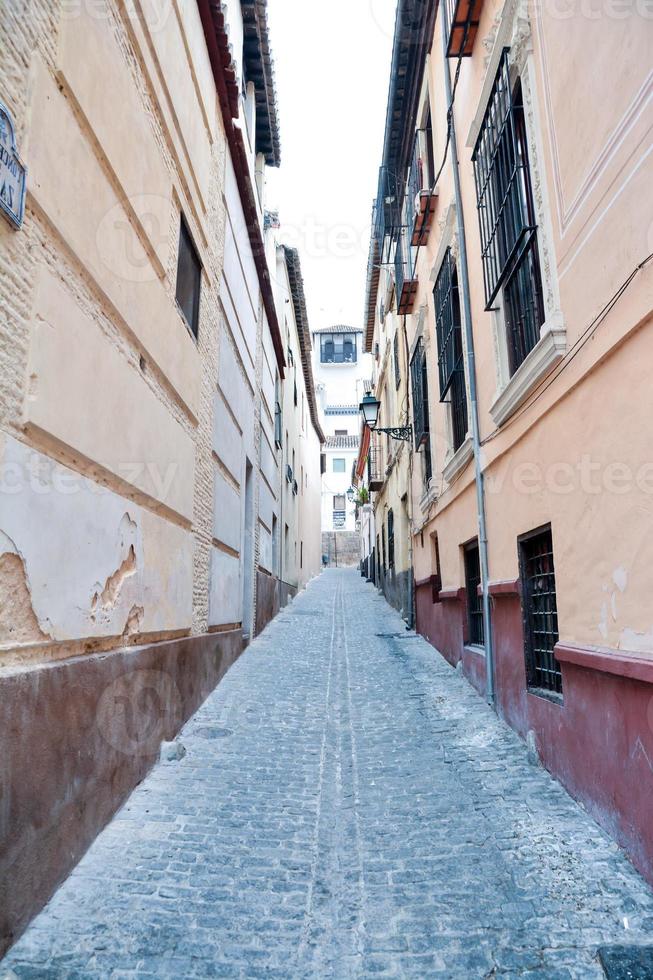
{"x": 106, "y": 400}
{"x": 579, "y": 457}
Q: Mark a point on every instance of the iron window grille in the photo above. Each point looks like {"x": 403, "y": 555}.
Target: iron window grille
{"x": 474, "y": 601}
{"x": 189, "y": 278}
{"x": 391, "y": 539}
{"x": 540, "y": 610}
{"x": 415, "y": 182}
{"x": 395, "y": 351}
{"x": 383, "y": 551}
{"x": 451, "y": 366}
{"x": 506, "y": 215}
{"x": 419, "y": 381}
{"x": 375, "y": 475}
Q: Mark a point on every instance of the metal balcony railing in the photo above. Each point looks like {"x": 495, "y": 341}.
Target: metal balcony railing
{"x": 375, "y": 474}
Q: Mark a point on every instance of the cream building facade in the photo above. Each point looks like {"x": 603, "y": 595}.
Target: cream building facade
{"x": 520, "y": 259}
{"x": 141, "y": 361}
{"x": 342, "y": 371}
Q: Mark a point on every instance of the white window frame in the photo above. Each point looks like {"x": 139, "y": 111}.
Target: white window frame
{"x": 514, "y": 31}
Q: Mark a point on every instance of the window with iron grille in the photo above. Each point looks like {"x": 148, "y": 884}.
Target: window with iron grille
{"x": 189, "y": 278}
{"x": 383, "y": 546}
{"x": 391, "y": 539}
{"x": 419, "y": 383}
{"x": 277, "y": 424}
{"x": 474, "y": 600}
{"x": 395, "y": 352}
{"x": 506, "y": 214}
{"x": 451, "y": 366}
{"x": 540, "y": 610}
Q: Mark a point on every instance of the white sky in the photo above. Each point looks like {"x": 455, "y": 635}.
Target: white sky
{"x": 332, "y": 71}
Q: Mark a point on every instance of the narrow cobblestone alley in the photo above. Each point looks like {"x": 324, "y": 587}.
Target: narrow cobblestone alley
{"x": 347, "y": 806}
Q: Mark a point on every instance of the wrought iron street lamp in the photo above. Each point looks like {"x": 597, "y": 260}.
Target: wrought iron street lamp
{"x": 370, "y": 408}
{"x": 351, "y": 493}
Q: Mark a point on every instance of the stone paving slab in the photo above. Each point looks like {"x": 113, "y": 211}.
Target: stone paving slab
{"x": 347, "y": 807}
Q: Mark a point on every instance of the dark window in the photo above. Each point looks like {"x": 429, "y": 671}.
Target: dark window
{"x": 189, "y": 277}
{"x": 436, "y": 578}
{"x": 391, "y": 539}
{"x": 383, "y": 546}
{"x": 419, "y": 382}
{"x": 430, "y": 158}
{"x": 395, "y": 351}
{"x": 277, "y": 424}
{"x": 278, "y": 431}
{"x": 378, "y": 559}
{"x": 340, "y": 432}
{"x": 338, "y": 348}
{"x": 451, "y": 367}
{"x": 474, "y": 600}
{"x": 427, "y": 466}
{"x": 507, "y": 216}
{"x": 540, "y": 610}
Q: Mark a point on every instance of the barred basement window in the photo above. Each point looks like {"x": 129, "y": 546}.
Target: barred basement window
{"x": 189, "y": 278}
{"x": 540, "y": 610}
{"x": 451, "y": 366}
{"x": 506, "y": 214}
{"x": 474, "y": 601}
{"x": 391, "y": 539}
{"x": 419, "y": 379}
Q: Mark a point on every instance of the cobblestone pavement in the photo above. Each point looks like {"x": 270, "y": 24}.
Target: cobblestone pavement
{"x": 348, "y": 807}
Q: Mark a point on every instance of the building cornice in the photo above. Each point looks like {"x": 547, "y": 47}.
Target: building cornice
{"x": 259, "y": 69}
{"x": 296, "y": 281}
{"x": 217, "y": 43}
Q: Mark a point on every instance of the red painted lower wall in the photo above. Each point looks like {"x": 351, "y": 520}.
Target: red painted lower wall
{"x": 78, "y": 735}
{"x": 598, "y": 742}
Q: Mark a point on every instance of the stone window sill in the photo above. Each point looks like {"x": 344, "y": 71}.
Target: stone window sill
{"x": 544, "y": 356}
{"x": 429, "y": 497}
{"x": 459, "y": 459}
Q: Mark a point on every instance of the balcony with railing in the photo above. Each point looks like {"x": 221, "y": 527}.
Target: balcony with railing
{"x": 406, "y": 282}
{"x": 375, "y": 474}
{"x": 462, "y": 18}
{"x": 421, "y": 200}
{"x": 393, "y": 214}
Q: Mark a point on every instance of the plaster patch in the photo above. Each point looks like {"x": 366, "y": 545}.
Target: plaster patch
{"x": 108, "y": 597}
{"x": 18, "y": 622}
{"x": 620, "y": 578}
{"x": 114, "y": 583}
{"x": 638, "y": 642}
{"x": 134, "y": 618}
{"x": 603, "y": 622}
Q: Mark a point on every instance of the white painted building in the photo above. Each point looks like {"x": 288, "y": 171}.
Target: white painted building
{"x": 342, "y": 372}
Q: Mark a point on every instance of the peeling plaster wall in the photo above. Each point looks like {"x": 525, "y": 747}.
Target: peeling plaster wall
{"x": 89, "y": 556}
{"x": 106, "y": 399}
